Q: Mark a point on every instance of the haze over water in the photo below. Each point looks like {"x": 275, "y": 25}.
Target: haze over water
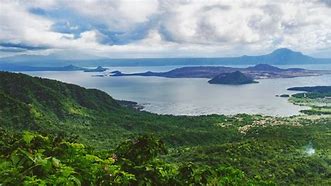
{"x": 194, "y": 96}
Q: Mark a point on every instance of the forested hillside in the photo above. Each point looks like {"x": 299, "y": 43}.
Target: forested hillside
{"x": 54, "y": 130}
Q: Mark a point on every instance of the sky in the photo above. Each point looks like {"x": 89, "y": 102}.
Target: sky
{"x": 84, "y": 29}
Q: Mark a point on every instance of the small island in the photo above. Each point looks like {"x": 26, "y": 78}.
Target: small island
{"x": 233, "y": 78}
{"x": 98, "y": 69}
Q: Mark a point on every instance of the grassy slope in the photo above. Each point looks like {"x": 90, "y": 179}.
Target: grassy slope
{"x": 251, "y": 143}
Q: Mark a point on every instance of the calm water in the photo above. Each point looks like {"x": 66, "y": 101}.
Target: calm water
{"x": 184, "y": 96}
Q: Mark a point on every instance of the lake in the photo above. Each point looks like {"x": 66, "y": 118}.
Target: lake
{"x": 188, "y": 96}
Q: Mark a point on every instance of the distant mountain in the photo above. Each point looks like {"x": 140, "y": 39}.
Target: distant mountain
{"x": 98, "y": 69}
{"x": 45, "y": 60}
{"x": 282, "y": 56}
{"x": 22, "y": 68}
{"x": 35, "y": 60}
{"x": 19, "y": 68}
{"x": 234, "y": 78}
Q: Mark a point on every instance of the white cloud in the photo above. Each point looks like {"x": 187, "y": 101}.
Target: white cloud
{"x": 175, "y": 27}
{"x": 117, "y": 15}
{"x": 18, "y": 25}
{"x": 257, "y": 24}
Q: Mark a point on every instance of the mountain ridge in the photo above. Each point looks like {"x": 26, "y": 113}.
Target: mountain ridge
{"x": 281, "y": 56}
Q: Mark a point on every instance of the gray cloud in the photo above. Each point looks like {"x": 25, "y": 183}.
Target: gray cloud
{"x": 21, "y": 46}
{"x": 327, "y": 2}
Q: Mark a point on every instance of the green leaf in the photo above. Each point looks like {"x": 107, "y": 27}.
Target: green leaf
{"x": 75, "y": 180}
{"x": 28, "y": 137}
{"x": 55, "y": 162}
{"x": 14, "y": 158}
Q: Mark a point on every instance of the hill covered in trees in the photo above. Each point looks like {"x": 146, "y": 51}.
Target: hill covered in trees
{"x": 53, "y": 132}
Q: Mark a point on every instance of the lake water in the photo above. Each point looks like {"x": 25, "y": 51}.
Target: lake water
{"x": 189, "y": 96}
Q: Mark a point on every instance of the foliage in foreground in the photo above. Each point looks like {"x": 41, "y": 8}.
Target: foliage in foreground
{"x": 35, "y": 159}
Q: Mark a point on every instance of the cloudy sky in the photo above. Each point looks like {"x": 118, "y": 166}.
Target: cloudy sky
{"x": 163, "y": 28}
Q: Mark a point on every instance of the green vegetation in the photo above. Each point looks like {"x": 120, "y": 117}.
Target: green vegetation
{"x": 278, "y": 153}
{"x": 161, "y": 150}
{"x": 284, "y": 96}
{"x": 318, "y": 98}
{"x": 35, "y": 159}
